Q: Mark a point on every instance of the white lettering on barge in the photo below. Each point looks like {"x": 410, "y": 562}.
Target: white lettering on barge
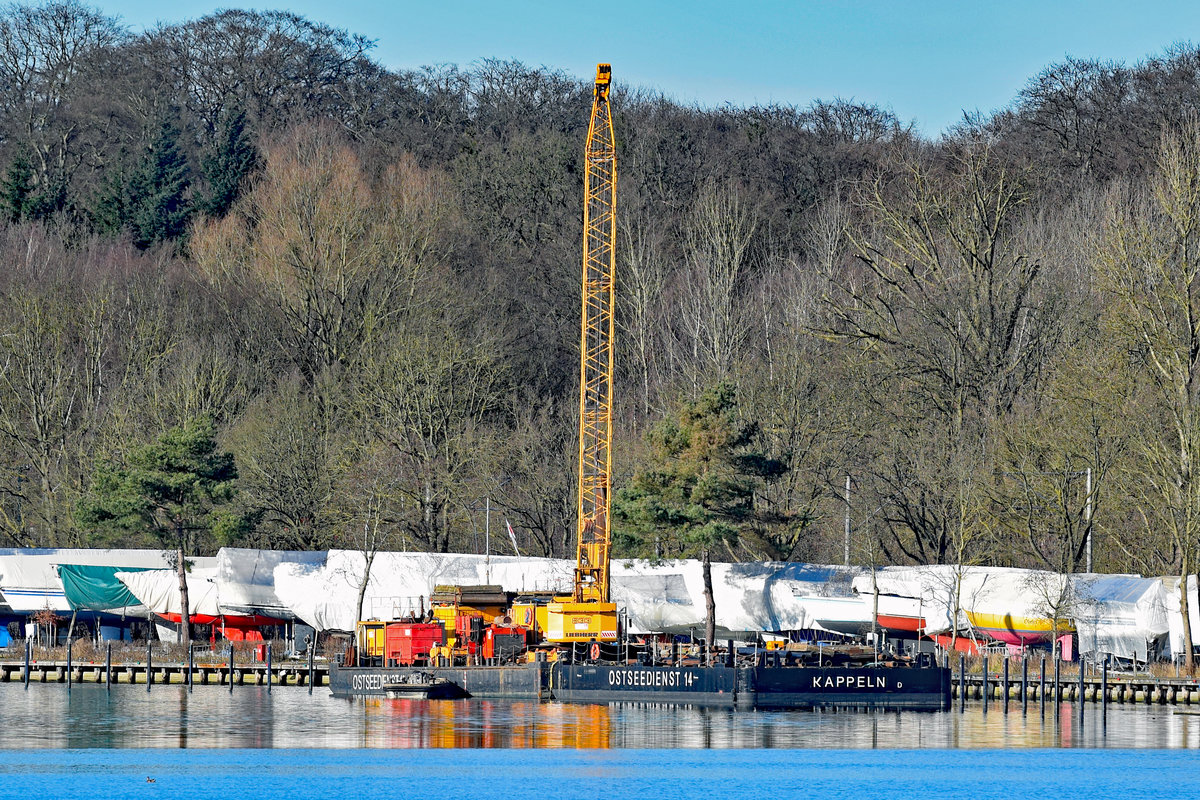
{"x": 849, "y": 682}
{"x": 651, "y": 679}
{"x": 372, "y": 682}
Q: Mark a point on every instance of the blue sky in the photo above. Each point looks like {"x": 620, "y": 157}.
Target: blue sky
{"x": 926, "y": 61}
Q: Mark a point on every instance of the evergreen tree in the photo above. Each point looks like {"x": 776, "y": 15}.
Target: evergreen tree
{"x": 157, "y": 207}
{"x": 16, "y": 189}
{"x": 228, "y": 162}
{"x": 108, "y": 211}
{"x": 697, "y": 492}
{"x": 176, "y": 489}
{"x": 22, "y": 198}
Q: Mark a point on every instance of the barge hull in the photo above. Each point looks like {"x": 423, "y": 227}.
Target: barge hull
{"x": 923, "y": 688}
{"x": 918, "y": 688}
{"x": 513, "y": 681}
{"x": 597, "y": 683}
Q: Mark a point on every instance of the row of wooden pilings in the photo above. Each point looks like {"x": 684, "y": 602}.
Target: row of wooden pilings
{"x": 207, "y": 673}
{"x": 1031, "y": 682}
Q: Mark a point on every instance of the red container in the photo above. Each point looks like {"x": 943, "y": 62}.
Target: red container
{"x": 408, "y": 643}
{"x": 503, "y": 643}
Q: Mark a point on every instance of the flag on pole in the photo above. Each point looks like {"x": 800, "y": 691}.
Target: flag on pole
{"x": 512, "y": 536}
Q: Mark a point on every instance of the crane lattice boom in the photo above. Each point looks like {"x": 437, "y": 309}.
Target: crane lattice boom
{"x": 596, "y": 348}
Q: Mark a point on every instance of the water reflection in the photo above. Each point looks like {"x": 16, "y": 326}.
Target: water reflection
{"x": 89, "y": 716}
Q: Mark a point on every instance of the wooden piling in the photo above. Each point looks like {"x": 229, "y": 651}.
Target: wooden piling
{"x": 1024, "y": 681}
{"x": 1006, "y": 683}
{"x": 1042, "y": 688}
{"x": 985, "y": 683}
{"x": 962, "y": 680}
{"x": 313, "y": 646}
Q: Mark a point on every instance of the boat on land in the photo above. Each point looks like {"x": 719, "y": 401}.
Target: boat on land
{"x": 1018, "y": 630}
{"x": 901, "y": 617}
{"x": 848, "y": 616}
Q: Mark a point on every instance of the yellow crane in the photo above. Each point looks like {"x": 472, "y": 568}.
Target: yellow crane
{"x": 588, "y": 614}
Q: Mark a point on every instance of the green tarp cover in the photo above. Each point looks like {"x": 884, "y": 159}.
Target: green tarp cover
{"x": 96, "y": 588}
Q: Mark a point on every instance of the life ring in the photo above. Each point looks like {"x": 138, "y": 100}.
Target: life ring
{"x": 595, "y": 651}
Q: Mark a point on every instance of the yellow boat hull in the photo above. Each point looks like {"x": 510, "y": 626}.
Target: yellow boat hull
{"x": 1017, "y": 630}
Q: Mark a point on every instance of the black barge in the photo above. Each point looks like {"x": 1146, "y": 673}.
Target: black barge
{"x": 755, "y": 685}
{"x": 896, "y": 687}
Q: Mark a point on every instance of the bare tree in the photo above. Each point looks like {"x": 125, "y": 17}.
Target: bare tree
{"x": 947, "y": 305}
{"x": 45, "y": 52}
{"x": 717, "y": 235}
{"x": 1150, "y": 261}
{"x": 643, "y": 276}
{"x": 315, "y": 243}
{"x": 428, "y": 396}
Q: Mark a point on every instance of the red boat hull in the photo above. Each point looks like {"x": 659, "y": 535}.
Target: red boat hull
{"x": 900, "y": 624}
{"x": 233, "y": 627}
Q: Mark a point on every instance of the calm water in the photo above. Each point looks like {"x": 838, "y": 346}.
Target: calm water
{"x": 47, "y": 716}
{"x": 96, "y": 744}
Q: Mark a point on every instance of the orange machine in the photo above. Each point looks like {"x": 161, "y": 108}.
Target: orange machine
{"x": 409, "y": 643}
{"x": 504, "y": 643}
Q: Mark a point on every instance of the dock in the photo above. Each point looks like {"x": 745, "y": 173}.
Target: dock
{"x": 1020, "y": 685}
{"x": 1026, "y": 681}
{"x": 1126, "y": 689}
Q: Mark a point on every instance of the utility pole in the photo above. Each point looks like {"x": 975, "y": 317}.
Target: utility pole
{"x": 847, "y": 559}
{"x": 1087, "y": 518}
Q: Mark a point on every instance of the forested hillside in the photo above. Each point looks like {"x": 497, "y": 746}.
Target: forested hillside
{"x": 365, "y": 283}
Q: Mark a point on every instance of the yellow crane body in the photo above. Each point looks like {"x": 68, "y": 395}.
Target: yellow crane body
{"x": 589, "y": 614}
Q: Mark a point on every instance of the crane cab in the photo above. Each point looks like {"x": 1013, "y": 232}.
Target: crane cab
{"x": 569, "y": 621}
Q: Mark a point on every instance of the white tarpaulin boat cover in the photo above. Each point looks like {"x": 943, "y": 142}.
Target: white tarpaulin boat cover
{"x": 1175, "y": 616}
{"x": 666, "y": 596}
{"x": 1122, "y": 615}
{"x": 158, "y": 589}
{"x": 850, "y": 616}
{"x": 30, "y": 583}
{"x": 1001, "y": 591}
{"x": 932, "y": 587}
{"x": 325, "y": 595}
{"x": 754, "y": 597}
{"x": 246, "y": 579}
